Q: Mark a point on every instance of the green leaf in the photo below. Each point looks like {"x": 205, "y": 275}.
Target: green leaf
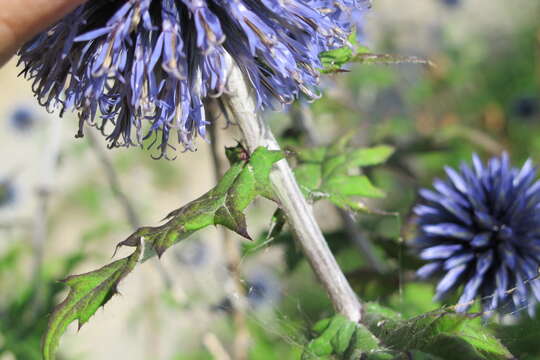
{"x": 224, "y": 205}
{"x": 87, "y": 293}
{"x": 372, "y": 156}
{"x": 334, "y": 60}
{"x": 444, "y": 334}
{"x": 376, "y": 312}
{"x": 340, "y": 338}
{"x": 352, "y": 186}
{"x": 485, "y": 343}
{"x": 325, "y": 173}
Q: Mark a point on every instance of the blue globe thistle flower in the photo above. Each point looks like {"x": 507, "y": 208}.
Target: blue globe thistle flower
{"x": 480, "y": 228}
{"x": 141, "y": 69}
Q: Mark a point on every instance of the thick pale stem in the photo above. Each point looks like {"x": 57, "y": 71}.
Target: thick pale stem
{"x": 241, "y": 104}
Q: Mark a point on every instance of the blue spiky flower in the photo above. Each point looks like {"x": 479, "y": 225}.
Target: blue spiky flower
{"x": 141, "y": 69}
{"x": 480, "y": 229}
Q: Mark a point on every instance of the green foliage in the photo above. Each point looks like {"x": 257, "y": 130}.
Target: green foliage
{"x": 325, "y": 173}
{"x": 24, "y": 307}
{"x": 269, "y": 346}
{"x": 339, "y": 338}
{"x": 224, "y": 205}
{"x": 521, "y": 337}
{"x": 87, "y": 293}
{"x": 333, "y": 61}
{"x": 424, "y": 113}
{"x": 443, "y": 334}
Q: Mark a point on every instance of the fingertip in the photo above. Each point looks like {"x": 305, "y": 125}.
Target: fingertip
{"x": 20, "y": 20}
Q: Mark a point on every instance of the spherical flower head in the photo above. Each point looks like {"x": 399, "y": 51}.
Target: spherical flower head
{"x": 139, "y": 70}
{"x": 480, "y": 229}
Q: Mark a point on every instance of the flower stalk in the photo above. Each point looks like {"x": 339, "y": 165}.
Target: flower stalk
{"x": 241, "y": 104}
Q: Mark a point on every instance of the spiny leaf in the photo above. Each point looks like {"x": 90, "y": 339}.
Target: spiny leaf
{"x": 223, "y": 205}
{"x": 325, "y": 173}
{"x": 443, "y": 334}
{"x": 87, "y": 293}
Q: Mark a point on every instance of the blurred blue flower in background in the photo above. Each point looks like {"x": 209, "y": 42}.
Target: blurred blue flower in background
{"x": 481, "y": 229}
{"x": 526, "y": 107}
{"x": 7, "y": 192}
{"x": 452, "y": 3}
{"x": 193, "y": 253}
{"x": 147, "y": 65}
{"x": 22, "y": 118}
{"x": 263, "y": 289}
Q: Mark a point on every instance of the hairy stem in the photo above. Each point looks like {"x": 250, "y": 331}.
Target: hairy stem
{"x": 241, "y": 104}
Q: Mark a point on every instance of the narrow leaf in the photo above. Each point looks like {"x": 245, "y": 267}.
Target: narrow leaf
{"x": 87, "y": 293}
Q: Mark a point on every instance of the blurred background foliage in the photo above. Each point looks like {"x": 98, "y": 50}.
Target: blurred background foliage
{"x": 58, "y": 216}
